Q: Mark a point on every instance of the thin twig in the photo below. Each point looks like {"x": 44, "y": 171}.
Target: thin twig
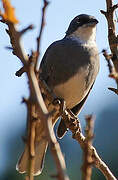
{"x": 20, "y": 71}
{"x": 108, "y": 59}
{"x": 15, "y": 39}
{"x": 75, "y": 127}
{"x": 112, "y": 37}
{"x": 31, "y": 143}
{"x": 40, "y": 32}
{"x": 87, "y": 153}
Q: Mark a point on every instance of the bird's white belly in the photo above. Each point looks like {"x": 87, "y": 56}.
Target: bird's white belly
{"x": 73, "y": 90}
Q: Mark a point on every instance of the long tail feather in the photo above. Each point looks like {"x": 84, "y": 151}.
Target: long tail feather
{"x": 40, "y": 150}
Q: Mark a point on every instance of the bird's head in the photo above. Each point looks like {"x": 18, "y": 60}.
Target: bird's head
{"x": 83, "y": 27}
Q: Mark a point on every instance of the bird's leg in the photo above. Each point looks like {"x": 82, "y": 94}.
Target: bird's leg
{"x": 72, "y": 122}
{"x": 61, "y": 103}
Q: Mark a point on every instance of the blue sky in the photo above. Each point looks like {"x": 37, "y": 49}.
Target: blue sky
{"x": 58, "y": 16}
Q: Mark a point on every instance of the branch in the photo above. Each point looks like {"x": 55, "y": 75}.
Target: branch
{"x": 108, "y": 59}
{"x": 40, "y": 31}
{"x": 46, "y": 120}
{"x": 73, "y": 124}
{"x": 15, "y": 39}
{"x": 97, "y": 161}
{"x": 22, "y": 70}
{"x": 35, "y": 100}
{"x": 87, "y": 153}
{"x": 112, "y": 37}
{"x": 112, "y": 73}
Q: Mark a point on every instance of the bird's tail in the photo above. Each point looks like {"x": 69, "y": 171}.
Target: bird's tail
{"x": 40, "y": 150}
{"x": 41, "y": 144}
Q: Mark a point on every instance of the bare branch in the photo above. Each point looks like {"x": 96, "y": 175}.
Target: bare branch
{"x": 45, "y": 118}
{"x": 30, "y": 27}
{"x": 76, "y": 134}
{"x": 87, "y": 153}
{"x": 15, "y": 39}
{"x": 112, "y": 37}
{"x": 35, "y": 100}
{"x": 114, "y": 90}
{"x": 20, "y": 71}
{"x": 40, "y": 31}
{"x": 74, "y": 126}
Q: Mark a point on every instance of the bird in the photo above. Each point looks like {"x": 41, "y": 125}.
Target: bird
{"x": 69, "y": 67}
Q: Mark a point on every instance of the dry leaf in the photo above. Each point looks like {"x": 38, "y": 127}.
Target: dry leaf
{"x": 9, "y": 12}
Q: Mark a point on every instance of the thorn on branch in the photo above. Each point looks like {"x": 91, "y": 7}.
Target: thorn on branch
{"x": 24, "y": 100}
{"x": 111, "y": 10}
{"x": 103, "y": 12}
{"x": 46, "y": 3}
{"x": 115, "y": 7}
{"x": 15, "y": 36}
{"x": 30, "y": 27}
{"x": 106, "y": 55}
{"x": 20, "y": 71}
{"x": 114, "y": 90}
{"x": 9, "y": 48}
{"x": 7, "y": 31}
{"x": 32, "y": 58}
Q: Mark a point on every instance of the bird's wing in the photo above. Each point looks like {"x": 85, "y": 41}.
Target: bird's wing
{"x": 62, "y": 60}
{"x": 62, "y": 129}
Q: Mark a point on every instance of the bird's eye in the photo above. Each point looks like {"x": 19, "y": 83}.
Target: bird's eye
{"x": 78, "y": 21}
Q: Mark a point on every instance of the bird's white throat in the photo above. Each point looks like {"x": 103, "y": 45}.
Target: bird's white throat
{"x": 86, "y": 34}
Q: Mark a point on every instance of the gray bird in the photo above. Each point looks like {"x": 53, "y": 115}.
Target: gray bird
{"x": 69, "y": 67}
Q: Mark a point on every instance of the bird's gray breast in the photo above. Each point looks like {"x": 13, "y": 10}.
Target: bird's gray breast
{"x": 69, "y": 69}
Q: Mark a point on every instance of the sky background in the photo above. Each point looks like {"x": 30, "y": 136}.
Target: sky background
{"x": 12, "y": 89}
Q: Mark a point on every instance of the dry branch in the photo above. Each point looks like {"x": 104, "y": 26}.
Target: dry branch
{"x": 87, "y": 153}
{"x": 46, "y": 119}
{"x": 98, "y": 163}
{"x": 73, "y": 124}
{"x": 112, "y": 38}
{"x": 35, "y": 99}
{"x": 40, "y": 32}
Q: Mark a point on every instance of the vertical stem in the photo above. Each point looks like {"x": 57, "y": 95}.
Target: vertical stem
{"x": 31, "y": 142}
{"x": 87, "y": 151}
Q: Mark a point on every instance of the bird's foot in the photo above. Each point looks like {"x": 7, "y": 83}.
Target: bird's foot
{"x": 60, "y": 105}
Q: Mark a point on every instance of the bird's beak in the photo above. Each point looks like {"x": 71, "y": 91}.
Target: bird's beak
{"x": 93, "y": 22}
